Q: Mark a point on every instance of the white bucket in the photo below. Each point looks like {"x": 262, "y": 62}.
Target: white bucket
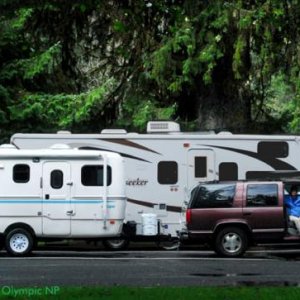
{"x": 149, "y": 223}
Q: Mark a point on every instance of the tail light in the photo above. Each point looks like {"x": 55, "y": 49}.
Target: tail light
{"x": 188, "y": 216}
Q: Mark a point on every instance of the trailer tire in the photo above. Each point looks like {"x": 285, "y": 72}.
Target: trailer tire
{"x": 169, "y": 245}
{"x": 231, "y": 242}
{"x": 2, "y": 242}
{"x": 116, "y": 244}
{"x": 19, "y": 242}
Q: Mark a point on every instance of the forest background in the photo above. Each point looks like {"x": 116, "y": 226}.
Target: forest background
{"x": 210, "y": 65}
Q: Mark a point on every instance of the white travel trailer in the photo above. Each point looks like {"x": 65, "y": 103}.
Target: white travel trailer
{"x": 163, "y": 165}
{"x": 59, "y": 193}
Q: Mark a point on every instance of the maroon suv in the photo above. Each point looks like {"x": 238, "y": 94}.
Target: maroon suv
{"x": 231, "y": 216}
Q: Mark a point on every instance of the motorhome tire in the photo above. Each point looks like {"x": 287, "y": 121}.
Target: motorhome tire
{"x": 19, "y": 242}
{"x": 116, "y": 244}
{"x": 231, "y": 242}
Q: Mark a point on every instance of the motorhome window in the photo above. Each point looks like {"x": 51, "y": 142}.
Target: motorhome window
{"x": 56, "y": 179}
{"x": 92, "y": 175}
{"x": 273, "y": 149}
{"x": 167, "y": 172}
{"x": 228, "y": 171}
{"x": 21, "y": 173}
{"x": 200, "y": 166}
{"x": 213, "y": 196}
{"x": 262, "y": 195}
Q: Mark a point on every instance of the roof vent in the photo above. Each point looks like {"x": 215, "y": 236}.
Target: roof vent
{"x": 8, "y": 146}
{"x": 162, "y": 127}
{"x": 60, "y": 147}
{"x": 225, "y": 133}
{"x": 113, "y": 131}
{"x": 63, "y": 132}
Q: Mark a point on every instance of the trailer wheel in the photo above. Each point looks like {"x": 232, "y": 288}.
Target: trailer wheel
{"x": 116, "y": 244}
{"x": 169, "y": 245}
{"x": 231, "y": 242}
{"x": 1, "y": 243}
{"x": 19, "y": 242}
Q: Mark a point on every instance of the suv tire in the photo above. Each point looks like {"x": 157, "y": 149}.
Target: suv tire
{"x": 231, "y": 242}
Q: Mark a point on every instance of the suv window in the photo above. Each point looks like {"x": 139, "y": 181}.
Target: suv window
{"x": 262, "y": 195}
{"x": 212, "y": 196}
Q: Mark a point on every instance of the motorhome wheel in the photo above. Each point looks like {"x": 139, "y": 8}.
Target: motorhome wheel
{"x": 19, "y": 242}
{"x": 116, "y": 244}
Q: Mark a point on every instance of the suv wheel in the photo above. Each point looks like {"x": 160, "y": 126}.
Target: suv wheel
{"x": 231, "y": 242}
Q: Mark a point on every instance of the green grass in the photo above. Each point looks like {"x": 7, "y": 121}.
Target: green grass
{"x": 174, "y": 293}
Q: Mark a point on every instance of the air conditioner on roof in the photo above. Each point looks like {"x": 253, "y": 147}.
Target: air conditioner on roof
{"x": 162, "y": 127}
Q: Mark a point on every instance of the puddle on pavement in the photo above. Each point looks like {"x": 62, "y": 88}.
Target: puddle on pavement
{"x": 225, "y": 274}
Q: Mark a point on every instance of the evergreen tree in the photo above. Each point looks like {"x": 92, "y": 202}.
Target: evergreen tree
{"x": 84, "y": 65}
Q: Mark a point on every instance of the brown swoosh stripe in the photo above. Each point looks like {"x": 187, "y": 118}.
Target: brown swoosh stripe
{"x": 129, "y": 144}
{"x": 273, "y": 162}
{"x": 149, "y": 204}
{"x": 122, "y": 154}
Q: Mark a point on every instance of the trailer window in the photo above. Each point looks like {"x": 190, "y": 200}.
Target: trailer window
{"x": 21, "y": 173}
{"x": 200, "y": 166}
{"x": 56, "y": 179}
{"x": 228, "y": 171}
{"x": 273, "y": 149}
{"x": 93, "y": 175}
{"x": 167, "y": 172}
{"x": 262, "y": 195}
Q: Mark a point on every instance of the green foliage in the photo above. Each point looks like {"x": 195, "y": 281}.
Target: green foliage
{"x": 293, "y": 107}
{"x": 119, "y": 26}
{"x": 193, "y": 49}
{"x": 279, "y": 94}
{"x": 22, "y": 17}
{"x": 150, "y": 111}
{"x": 237, "y": 63}
{"x": 60, "y": 110}
{"x": 44, "y": 62}
{"x": 87, "y": 64}
{"x": 142, "y": 110}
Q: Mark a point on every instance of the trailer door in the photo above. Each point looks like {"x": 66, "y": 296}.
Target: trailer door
{"x": 201, "y": 166}
{"x": 57, "y": 210}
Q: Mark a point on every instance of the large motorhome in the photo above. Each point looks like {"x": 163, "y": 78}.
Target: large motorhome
{"x": 59, "y": 193}
{"x": 163, "y": 165}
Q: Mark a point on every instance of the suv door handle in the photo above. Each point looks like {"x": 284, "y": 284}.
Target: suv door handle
{"x": 70, "y": 212}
